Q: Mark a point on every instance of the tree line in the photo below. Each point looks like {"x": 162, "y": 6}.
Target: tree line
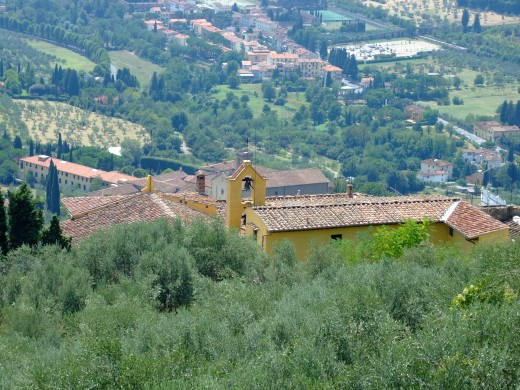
{"x": 500, "y": 6}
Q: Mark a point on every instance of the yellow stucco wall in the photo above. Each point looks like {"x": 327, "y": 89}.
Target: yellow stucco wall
{"x": 302, "y": 240}
{"x": 235, "y": 205}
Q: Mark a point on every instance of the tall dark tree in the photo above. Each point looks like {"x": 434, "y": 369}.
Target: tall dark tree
{"x": 31, "y": 148}
{"x": 510, "y": 155}
{"x": 324, "y": 50}
{"x": 25, "y": 219}
{"x": 60, "y": 146}
{"x": 53, "y": 190}
{"x": 1, "y": 68}
{"x": 17, "y": 143}
{"x": 465, "y": 20}
{"x": 53, "y": 235}
{"x": 476, "y": 24}
{"x": 4, "y": 245}
{"x": 503, "y": 112}
{"x": 73, "y": 83}
{"x": 352, "y": 67}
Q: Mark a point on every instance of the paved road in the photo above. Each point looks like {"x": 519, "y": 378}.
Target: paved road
{"x": 467, "y": 134}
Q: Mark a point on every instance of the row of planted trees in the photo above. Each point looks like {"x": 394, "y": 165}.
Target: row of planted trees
{"x": 168, "y": 305}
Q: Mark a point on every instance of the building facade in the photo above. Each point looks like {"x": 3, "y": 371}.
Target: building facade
{"x": 70, "y": 175}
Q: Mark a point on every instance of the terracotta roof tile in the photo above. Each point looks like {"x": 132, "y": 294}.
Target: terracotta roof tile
{"x": 82, "y": 204}
{"x": 296, "y": 177}
{"x": 123, "y": 189}
{"x": 125, "y": 209}
{"x": 472, "y": 222}
{"x": 353, "y": 212}
{"x": 514, "y": 229}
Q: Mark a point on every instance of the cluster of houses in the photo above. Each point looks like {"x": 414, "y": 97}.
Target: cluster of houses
{"x": 282, "y": 55}
{"x": 439, "y": 171}
{"x": 304, "y": 219}
{"x": 208, "y": 181}
{"x": 266, "y": 204}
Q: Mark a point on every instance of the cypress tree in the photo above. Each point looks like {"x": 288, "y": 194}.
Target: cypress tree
{"x": 476, "y": 24}
{"x": 31, "y": 148}
{"x": 1, "y": 68}
{"x": 4, "y": 245}
{"x": 510, "y": 113}
{"x": 53, "y": 235}
{"x": 52, "y": 191}
{"x": 25, "y": 219}
{"x": 503, "y": 112}
{"x": 55, "y": 75}
{"x": 48, "y": 188}
{"x": 17, "y": 143}
{"x": 465, "y": 20}
{"x": 516, "y": 120}
{"x": 55, "y": 193}
{"x": 60, "y": 145}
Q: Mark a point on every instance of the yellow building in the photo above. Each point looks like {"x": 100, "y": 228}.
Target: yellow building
{"x": 305, "y": 220}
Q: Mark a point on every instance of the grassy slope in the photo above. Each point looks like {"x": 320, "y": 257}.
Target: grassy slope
{"x": 66, "y": 58}
{"x": 479, "y": 100}
{"x": 45, "y": 119}
{"x": 142, "y": 69}
{"x": 256, "y": 103}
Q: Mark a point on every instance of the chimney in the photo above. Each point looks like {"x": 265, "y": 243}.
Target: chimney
{"x": 201, "y": 182}
{"x": 349, "y": 190}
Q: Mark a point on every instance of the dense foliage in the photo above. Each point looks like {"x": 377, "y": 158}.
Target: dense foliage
{"x": 194, "y": 307}
{"x": 500, "y": 6}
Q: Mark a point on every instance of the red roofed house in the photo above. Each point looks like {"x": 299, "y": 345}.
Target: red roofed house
{"x": 89, "y": 214}
{"x": 311, "y": 219}
{"x": 435, "y": 171}
{"x": 335, "y": 72}
{"x": 492, "y": 130}
{"x": 70, "y": 175}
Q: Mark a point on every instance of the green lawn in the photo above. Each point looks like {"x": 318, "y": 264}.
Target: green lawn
{"x": 66, "y": 58}
{"x": 479, "y": 100}
{"x": 256, "y": 103}
{"x": 141, "y": 68}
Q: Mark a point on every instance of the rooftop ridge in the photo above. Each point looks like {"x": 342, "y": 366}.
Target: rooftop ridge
{"x": 355, "y": 202}
{"x": 159, "y": 202}
{"x": 449, "y": 211}
{"x": 104, "y": 206}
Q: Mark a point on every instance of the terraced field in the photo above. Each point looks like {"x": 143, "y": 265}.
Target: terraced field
{"x": 44, "y": 120}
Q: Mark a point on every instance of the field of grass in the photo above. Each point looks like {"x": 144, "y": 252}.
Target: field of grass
{"x": 256, "y": 101}
{"x": 66, "y": 58}
{"x": 45, "y": 120}
{"x": 142, "y": 69}
{"x": 480, "y": 100}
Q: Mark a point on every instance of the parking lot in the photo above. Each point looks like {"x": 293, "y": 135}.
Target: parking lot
{"x": 389, "y": 49}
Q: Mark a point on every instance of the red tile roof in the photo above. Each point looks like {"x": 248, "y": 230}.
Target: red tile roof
{"x": 77, "y": 169}
{"x": 294, "y": 178}
{"x": 82, "y": 204}
{"x": 120, "y": 210}
{"x": 470, "y": 221}
{"x": 436, "y": 162}
{"x": 325, "y": 212}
